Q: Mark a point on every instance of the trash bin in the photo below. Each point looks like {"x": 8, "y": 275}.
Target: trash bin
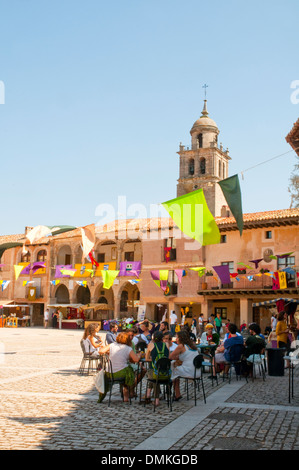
{"x": 276, "y": 361}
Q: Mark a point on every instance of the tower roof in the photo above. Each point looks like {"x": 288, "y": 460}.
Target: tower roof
{"x": 204, "y": 120}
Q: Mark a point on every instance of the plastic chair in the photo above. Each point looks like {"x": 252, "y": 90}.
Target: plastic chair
{"x": 87, "y": 357}
{"x": 235, "y": 351}
{"x": 210, "y": 366}
{"x": 110, "y": 380}
{"x": 141, "y": 346}
{"x": 163, "y": 368}
{"x": 257, "y": 358}
{"x": 198, "y": 362}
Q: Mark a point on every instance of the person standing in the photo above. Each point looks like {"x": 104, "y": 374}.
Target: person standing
{"x": 218, "y": 323}
{"x": 46, "y": 318}
{"x": 282, "y": 332}
{"x": 55, "y": 319}
{"x": 273, "y": 322}
{"x": 173, "y": 321}
{"x": 200, "y": 324}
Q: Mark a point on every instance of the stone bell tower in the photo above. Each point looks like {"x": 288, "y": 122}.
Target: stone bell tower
{"x": 204, "y": 164}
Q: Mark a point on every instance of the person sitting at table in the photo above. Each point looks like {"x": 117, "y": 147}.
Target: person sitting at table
{"x": 156, "y": 347}
{"x": 182, "y": 358}
{"x": 91, "y": 341}
{"x": 167, "y": 338}
{"x": 230, "y": 350}
{"x": 120, "y": 354}
{"x": 210, "y": 336}
{"x": 188, "y": 329}
{"x": 111, "y": 335}
{"x": 228, "y": 334}
{"x": 254, "y": 338}
{"x": 145, "y": 335}
{"x": 139, "y": 369}
{"x": 164, "y": 326}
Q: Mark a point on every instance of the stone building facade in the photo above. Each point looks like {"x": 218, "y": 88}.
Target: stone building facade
{"x": 265, "y": 234}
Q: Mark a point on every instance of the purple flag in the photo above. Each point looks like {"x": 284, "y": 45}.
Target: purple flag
{"x": 58, "y": 267}
{"x": 223, "y": 273}
{"x": 32, "y": 266}
{"x": 256, "y": 262}
{"x": 129, "y": 268}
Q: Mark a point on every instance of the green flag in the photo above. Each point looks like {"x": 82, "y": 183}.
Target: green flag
{"x": 191, "y": 214}
{"x": 108, "y": 278}
{"x": 232, "y": 193}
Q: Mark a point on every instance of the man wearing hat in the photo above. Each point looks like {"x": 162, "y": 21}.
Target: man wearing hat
{"x": 210, "y": 335}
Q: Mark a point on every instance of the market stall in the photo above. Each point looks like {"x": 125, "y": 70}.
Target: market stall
{"x": 95, "y": 313}
{"x": 70, "y": 316}
{"x": 13, "y": 315}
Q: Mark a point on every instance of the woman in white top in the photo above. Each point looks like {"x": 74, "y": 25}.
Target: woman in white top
{"x": 92, "y": 343}
{"x": 167, "y": 338}
{"x": 183, "y": 357}
{"x": 120, "y": 355}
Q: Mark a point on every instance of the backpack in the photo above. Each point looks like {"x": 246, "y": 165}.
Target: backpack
{"x": 160, "y": 354}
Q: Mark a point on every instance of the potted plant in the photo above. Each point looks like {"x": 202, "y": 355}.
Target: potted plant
{"x": 209, "y": 273}
{"x": 241, "y": 271}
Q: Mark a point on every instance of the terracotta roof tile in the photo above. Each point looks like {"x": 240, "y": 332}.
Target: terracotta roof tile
{"x": 261, "y": 216}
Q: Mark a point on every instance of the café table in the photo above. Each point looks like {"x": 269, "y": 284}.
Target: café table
{"x": 293, "y": 360}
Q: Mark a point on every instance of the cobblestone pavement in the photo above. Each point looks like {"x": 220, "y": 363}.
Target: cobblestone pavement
{"x": 47, "y": 404}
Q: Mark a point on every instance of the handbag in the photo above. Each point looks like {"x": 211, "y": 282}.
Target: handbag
{"x": 99, "y": 381}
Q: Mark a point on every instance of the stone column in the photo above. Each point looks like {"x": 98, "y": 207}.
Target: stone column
{"x": 206, "y": 308}
{"x": 246, "y": 314}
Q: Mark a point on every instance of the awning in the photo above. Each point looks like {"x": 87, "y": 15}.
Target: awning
{"x": 96, "y": 306}
{"x": 269, "y": 302}
{"x": 9, "y": 303}
{"x": 66, "y": 305}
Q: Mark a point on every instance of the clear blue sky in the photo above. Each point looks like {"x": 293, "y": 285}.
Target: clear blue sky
{"x": 98, "y": 96}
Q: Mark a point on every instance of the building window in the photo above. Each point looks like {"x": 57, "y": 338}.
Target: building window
{"x": 219, "y": 169}
{"x": 223, "y": 239}
{"x": 41, "y": 256}
{"x": 101, "y": 258}
{"x": 25, "y": 258}
{"x": 268, "y": 235}
{"x": 230, "y": 265}
{"x": 199, "y": 141}
{"x": 129, "y": 256}
{"x": 169, "y": 249}
{"x": 288, "y": 262}
{"x": 222, "y": 311}
{"x": 191, "y": 167}
{"x": 202, "y": 166}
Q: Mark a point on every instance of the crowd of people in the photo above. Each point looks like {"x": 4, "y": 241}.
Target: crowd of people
{"x": 146, "y": 341}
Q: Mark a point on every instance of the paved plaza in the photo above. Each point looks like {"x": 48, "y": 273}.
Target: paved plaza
{"x": 48, "y": 405}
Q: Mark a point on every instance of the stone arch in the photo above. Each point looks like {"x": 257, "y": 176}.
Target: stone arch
{"x": 202, "y": 166}
{"x": 62, "y": 294}
{"x": 83, "y": 295}
{"x": 191, "y": 167}
{"x": 101, "y": 293}
{"x": 64, "y": 255}
{"x": 128, "y": 293}
{"x": 131, "y": 245}
{"x": 41, "y": 255}
{"x": 106, "y": 250}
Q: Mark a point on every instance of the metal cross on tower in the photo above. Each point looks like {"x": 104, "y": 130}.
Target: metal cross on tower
{"x": 205, "y": 86}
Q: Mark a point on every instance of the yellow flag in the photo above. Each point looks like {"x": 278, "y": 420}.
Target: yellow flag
{"x": 108, "y": 278}
{"x": 18, "y": 270}
{"x": 282, "y": 280}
